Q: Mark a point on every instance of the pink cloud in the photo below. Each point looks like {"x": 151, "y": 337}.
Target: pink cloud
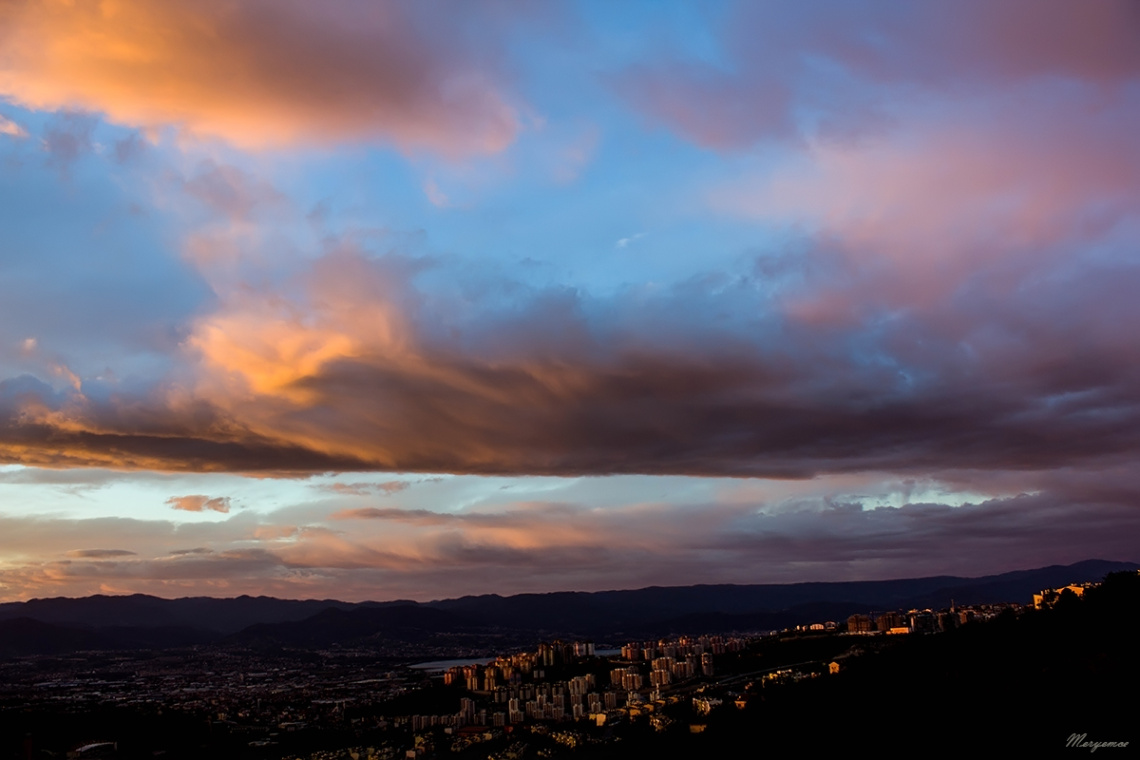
{"x": 707, "y": 106}
{"x": 836, "y": 68}
{"x": 995, "y": 192}
{"x": 230, "y": 192}
{"x": 11, "y": 128}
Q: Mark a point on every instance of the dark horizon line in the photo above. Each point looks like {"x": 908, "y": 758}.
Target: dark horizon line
{"x": 1135, "y": 563}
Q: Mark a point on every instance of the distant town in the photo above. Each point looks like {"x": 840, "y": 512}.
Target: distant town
{"x": 558, "y": 698}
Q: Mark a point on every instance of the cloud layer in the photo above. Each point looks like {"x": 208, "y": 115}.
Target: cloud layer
{"x": 952, "y": 299}
{"x": 749, "y": 534}
{"x": 816, "y": 246}
{"x": 568, "y": 385}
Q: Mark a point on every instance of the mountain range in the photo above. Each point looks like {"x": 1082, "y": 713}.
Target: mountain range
{"x": 58, "y": 625}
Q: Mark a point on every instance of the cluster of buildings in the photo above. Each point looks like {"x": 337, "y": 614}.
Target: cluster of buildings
{"x": 522, "y": 688}
{"x": 918, "y": 621}
{"x": 1046, "y": 598}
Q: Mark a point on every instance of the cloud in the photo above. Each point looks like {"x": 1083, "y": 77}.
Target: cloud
{"x": 198, "y": 503}
{"x": 101, "y": 553}
{"x": 67, "y": 138}
{"x": 437, "y": 197}
{"x": 953, "y": 299}
{"x": 749, "y": 532}
{"x": 425, "y": 517}
{"x": 386, "y": 488}
{"x": 357, "y": 376}
{"x": 275, "y": 532}
{"x": 268, "y": 74}
{"x": 660, "y": 544}
{"x": 570, "y": 158}
{"x": 11, "y": 128}
{"x": 625, "y": 241}
{"x": 925, "y": 212}
{"x": 707, "y": 107}
{"x": 785, "y": 71}
{"x": 120, "y": 294}
{"x": 230, "y": 192}
{"x": 129, "y": 148}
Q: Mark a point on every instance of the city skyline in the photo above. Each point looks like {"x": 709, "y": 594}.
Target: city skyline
{"x": 417, "y": 300}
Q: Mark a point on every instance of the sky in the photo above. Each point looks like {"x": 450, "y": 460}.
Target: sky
{"x": 380, "y": 300}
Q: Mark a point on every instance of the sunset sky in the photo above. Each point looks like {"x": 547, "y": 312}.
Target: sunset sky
{"x": 386, "y": 300}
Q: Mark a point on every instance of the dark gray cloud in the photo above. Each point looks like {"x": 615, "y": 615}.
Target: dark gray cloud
{"x": 67, "y": 138}
{"x": 101, "y": 553}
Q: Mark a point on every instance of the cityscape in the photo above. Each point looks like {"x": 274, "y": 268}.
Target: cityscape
{"x": 560, "y": 698}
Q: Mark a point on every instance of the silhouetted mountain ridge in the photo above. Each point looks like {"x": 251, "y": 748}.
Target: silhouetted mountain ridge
{"x": 141, "y": 621}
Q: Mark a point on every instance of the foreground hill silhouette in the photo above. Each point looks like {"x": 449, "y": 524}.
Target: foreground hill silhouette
{"x": 52, "y": 626}
{"x": 1017, "y": 686}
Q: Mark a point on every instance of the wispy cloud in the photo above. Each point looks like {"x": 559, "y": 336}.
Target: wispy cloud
{"x": 625, "y": 241}
{"x": 11, "y": 128}
{"x": 190, "y": 552}
{"x": 387, "y": 488}
{"x": 437, "y": 197}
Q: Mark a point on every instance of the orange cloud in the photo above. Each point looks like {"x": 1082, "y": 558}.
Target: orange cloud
{"x": 261, "y": 73}
{"x": 274, "y": 532}
{"x": 267, "y": 344}
{"x": 199, "y": 503}
{"x": 11, "y": 128}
